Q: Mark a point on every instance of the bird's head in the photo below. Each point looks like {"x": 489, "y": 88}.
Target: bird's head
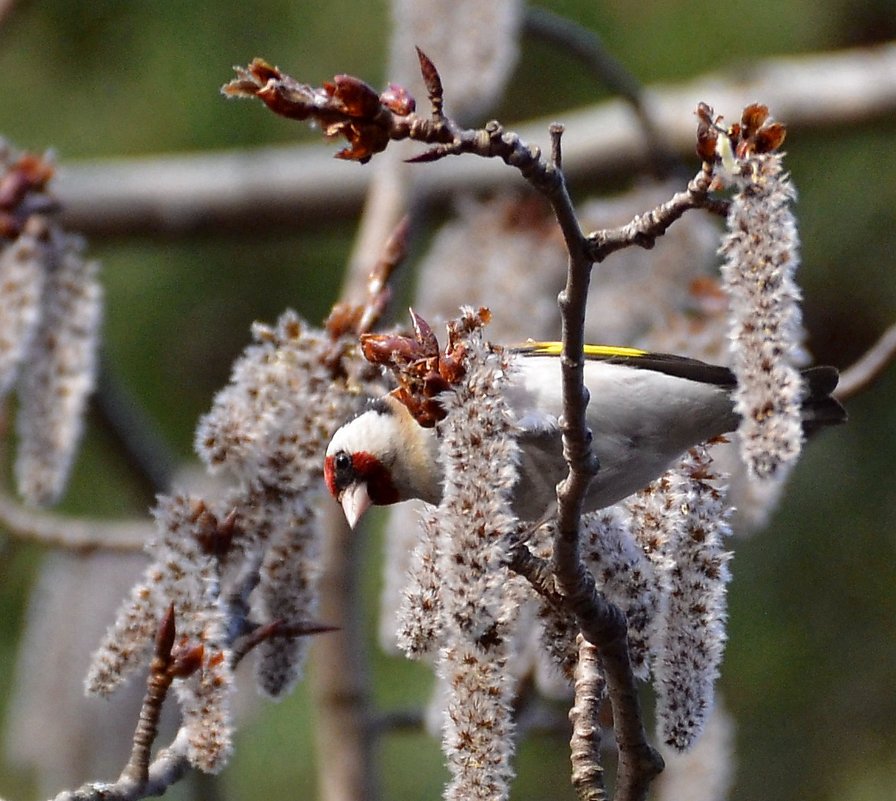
{"x": 381, "y": 457}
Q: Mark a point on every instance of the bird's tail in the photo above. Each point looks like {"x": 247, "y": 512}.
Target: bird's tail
{"x": 820, "y": 408}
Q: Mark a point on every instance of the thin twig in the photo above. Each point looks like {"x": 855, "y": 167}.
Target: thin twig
{"x": 157, "y": 685}
{"x": 273, "y": 630}
{"x": 645, "y": 229}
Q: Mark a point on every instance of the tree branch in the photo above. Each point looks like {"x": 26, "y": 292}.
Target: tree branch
{"x": 867, "y": 369}
{"x": 602, "y": 623}
{"x": 70, "y": 533}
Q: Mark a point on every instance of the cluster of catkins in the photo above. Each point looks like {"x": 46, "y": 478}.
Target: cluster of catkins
{"x": 249, "y": 556}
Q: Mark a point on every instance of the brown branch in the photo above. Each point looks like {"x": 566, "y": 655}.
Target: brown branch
{"x": 273, "y": 630}
{"x": 536, "y": 571}
{"x": 645, "y": 229}
{"x": 341, "y": 696}
{"x": 157, "y": 684}
{"x": 360, "y": 318}
{"x": 602, "y": 623}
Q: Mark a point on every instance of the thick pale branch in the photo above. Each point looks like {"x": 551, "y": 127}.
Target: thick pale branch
{"x": 342, "y": 695}
{"x": 290, "y": 186}
{"x": 866, "y": 370}
{"x": 168, "y": 768}
{"x": 73, "y": 534}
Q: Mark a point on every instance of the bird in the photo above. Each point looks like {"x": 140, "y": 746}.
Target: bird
{"x": 646, "y": 409}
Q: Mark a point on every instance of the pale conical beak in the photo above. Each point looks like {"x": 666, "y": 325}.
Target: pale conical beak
{"x": 355, "y": 501}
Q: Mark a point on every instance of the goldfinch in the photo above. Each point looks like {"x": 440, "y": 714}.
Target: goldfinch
{"x": 646, "y": 409}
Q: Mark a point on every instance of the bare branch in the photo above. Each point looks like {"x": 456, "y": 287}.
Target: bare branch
{"x": 602, "y": 623}
{"x": 341, "y": 695}
{"x": 269, "y": 631}
{"x": 645, "y": 229}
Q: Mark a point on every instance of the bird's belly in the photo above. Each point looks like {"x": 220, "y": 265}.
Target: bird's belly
{"x": 626, "y": 466}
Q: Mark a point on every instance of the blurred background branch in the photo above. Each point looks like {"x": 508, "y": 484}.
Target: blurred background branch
{"x": 299, "y": 186}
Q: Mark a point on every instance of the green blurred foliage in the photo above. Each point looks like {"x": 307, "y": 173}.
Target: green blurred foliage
{"x": 808, "y": 673}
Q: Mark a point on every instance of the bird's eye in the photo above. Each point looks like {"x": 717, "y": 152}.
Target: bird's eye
{"x": 342, "y": 462}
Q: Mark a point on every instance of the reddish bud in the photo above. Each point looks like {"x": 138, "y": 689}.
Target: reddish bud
{"x": 165, "y": 635}
{"x": 753, "y": 118}
{"x": 385, "y": 348}
{"x": 431, "y": 79}
{"x": 398, "y": 100}
{"x": 424, "y": 334}
{"x": 186, "y": 659}
{"x": 770, "y": 137}
{"x": 356, "y": 97}
{"x": 264, "y": 72}
{"x": 343, "y": 319}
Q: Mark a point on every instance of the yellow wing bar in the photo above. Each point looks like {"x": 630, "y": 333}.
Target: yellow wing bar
{"x": 594, "y": 351}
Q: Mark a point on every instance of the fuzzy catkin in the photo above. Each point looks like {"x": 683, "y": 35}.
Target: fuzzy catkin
{"x": 626, "y": 576}
{"x": 420, "y": 614}
{"x": 480, "y": 600}
{"x": 182, "y": 573}
{"x": 761, "y": 250}
{"x": 271, "y": 423}
{"x": 21, "y": 288}
{"x": 269, "y": 428}
{"x": 691, "y": 630}
{"x": 288, "y": 591}
{"x": 186, "y": 574}
{"x": 58, "y": 370}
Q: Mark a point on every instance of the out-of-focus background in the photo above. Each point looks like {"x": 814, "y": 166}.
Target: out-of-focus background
{"x": 808, "y": 673}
